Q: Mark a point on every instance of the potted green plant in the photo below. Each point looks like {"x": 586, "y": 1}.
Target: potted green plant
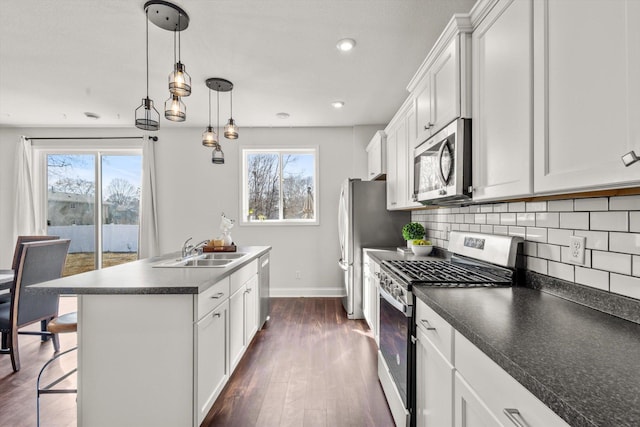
{"x": 412, "y": 231}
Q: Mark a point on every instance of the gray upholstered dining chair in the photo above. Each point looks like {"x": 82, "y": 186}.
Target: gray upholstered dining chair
{"x": 6, "y": 298}
{"x": 39, "y": 262}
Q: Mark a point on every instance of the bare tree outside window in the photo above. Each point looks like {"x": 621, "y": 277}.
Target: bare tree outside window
{"x": 280, "y": 186}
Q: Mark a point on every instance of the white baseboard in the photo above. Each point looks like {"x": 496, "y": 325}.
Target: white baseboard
{"x": 306, "y": 292}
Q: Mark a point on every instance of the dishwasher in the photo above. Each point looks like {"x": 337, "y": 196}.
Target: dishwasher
{"x": 263, "y": 289}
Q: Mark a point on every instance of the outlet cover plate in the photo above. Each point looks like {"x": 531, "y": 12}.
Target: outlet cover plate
{"x": 576, "y": 249}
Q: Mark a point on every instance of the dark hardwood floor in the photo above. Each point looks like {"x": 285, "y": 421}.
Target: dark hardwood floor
{"x": 310, "y": 366}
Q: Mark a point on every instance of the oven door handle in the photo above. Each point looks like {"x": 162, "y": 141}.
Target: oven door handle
{"x": 403, "y": 308}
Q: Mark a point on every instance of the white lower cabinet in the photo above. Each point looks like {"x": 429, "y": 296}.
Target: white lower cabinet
{"x": 506, "y": 399}
{"x": 212, "y": 364}
{"x": 251, "y": 309}
{"x": 370, "y": 300}
{"x": 473, "y": 391}
{"x": 236, "y": 327}
{"x": 434, "y": 391}
{"x": 243, "y": 311}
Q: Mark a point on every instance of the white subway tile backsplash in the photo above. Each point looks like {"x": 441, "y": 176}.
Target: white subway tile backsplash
{"x": 475, "y": 228}
{"x": 550, "y": 252}
{"x": 517, "y": 231}
{"x": 595, "y": 239}
{"x": 517, "y": 207}
{"x": 493, "y": 218}
{"x": 560, "y": 205}
{"x": 480, "y": 219}
{"x": 536, "y": 206}
{"x": 636, "y": 266}
{"x": 486, "y": 208}
{"x": 474, "y": 208}
{"x": 464, "y": 227}
{"x": 464, "y": 209}
{"x": 625, "y": 285}
{"x": 634, "y": 222}
{"x": 624, "y": 203}
{"x": 548, "y": 219}
{"x": 507, "y": 219}
{"x": 455, "y": 227}
{"x": 530, "y": 248}
{"x": 501, "y": 207}
{"x": 485, "y": 228}
{"x": 625, "y": 242}
{"x": 574, "y": 220}
{"x": 610, "y": 221}
{"x": 537, "y": 234}
{"x": 558, "y": 236}
{"x": 561, "y": 271}
{"x": 470, "y": 218}
{"x": 459, "y": 217}
{"x": 611, "y": 261}
{"x": 501, "y": 229}
{"x": 537, "y": 264}
{"x": 594, "y": 278}
{"x": 592, "y": 204}
{"x": 526, "y": 219}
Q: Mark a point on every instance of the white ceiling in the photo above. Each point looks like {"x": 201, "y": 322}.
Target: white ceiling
{"x": 59, "y": 59}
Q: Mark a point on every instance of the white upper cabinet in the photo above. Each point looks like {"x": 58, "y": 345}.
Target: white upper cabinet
{"x": 586, "y": 94}
{"x": 377, "y": 156}
{"x": 502, "y": 127}
{"x": 441, "y": 85}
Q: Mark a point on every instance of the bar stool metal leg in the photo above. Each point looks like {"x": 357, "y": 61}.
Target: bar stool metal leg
{"x": 48, "y": 388}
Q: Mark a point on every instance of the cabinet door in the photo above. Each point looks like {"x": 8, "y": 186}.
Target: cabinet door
{"x": 212, "y": 370}
{"x": 402, "y": 167}
{"x": 502, "y": 102}
{"x": 424, "y": 123}
{"x": 366, "y": 288}
{"x": 376, "y": 156}
{"x": 470, "y": 410}
{"x": 251, "y": 309}
{"x": 392, "y": 170}
{"x": 236, "y": 326}
{"x": 445, "y": 87}
{"x": 587, "y": 82}
{"x": 434, "y": 385}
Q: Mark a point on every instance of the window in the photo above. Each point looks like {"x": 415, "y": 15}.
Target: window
{"x": 93, "y": 197}
{"x": 279, "y": 186}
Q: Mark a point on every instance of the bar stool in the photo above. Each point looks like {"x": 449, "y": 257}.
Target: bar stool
{"x": 61, "y": 324}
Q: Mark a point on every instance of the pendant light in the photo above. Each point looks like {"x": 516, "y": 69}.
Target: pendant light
{"x": 179, "y": 80}
{"x": 217, "y": 157}
{"x": 219, "y": 85}
{"x": 231, "y": 129}
{"x": 146, "y": 116}
{"x": 209, "y": 136}
{"x": 174, "y": 109}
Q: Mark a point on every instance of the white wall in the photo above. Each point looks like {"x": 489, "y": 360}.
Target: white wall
{"x": 192, "y": 192}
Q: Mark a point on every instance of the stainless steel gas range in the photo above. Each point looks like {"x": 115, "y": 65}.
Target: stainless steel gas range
{"x": 476, "y": 259}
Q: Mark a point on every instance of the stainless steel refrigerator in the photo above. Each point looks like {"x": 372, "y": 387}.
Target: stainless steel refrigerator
{"x": 364, "y": 221}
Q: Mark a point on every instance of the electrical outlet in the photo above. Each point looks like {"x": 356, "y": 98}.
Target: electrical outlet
{"x": 298, "y": 275}
{"x": 576, "y": 249}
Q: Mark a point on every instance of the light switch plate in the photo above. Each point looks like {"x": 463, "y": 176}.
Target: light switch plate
{"x": 576, "y": 249}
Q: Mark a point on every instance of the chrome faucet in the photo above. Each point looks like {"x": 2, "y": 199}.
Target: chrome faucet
{"x": 188, "y": 250}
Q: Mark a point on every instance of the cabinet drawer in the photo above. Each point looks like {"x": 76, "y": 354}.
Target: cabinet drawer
{"x": 212, "y": 297}
{"x": 500, "y": 391}
{"x": 241, "y": 276}
{"x": 438, "y": 330}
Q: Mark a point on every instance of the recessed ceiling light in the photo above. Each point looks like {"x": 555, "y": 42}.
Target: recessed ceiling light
{"x": 345, "y": 45}
{"x": 337, "y": 104}
{"x": 282, "y": 115}
{"x": 91, "y": 115}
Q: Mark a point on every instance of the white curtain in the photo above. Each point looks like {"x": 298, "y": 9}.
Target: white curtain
{"x": 149, "y": 244}
{"x": 25, "y": 220}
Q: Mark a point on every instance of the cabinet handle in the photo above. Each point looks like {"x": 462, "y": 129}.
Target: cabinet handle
{"x": 427, "y": 325}
{"x": 428, "y": 126}
{"x": 248, "y": 291}
{"x": 515, "y": 417}
{"x": 216, "y": 315}
{"x": 217, "y": 296}
{"x": 372, "y": 173}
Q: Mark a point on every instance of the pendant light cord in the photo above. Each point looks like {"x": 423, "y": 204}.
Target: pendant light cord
{"x": 231, "y": 93}
{"x": 209, "y": 107}
{"x": 147, "y": 12}
{"x": 218, "y": 113}
{"x": 174, "y": 46}
{"x": 179, "y": 39}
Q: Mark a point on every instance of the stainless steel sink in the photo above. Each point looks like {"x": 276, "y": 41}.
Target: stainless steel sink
{"x": 207, "y": 260}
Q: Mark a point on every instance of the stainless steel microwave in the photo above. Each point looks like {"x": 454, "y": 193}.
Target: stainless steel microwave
{"x": 442, "y": 166}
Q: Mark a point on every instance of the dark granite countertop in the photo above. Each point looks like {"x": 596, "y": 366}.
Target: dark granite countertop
{"x": 141, "y": 277}
{"x": 582, "y": 363}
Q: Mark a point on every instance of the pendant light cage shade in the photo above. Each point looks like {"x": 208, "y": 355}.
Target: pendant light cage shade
{"x": 231, "y": 130}
{"x": 174, "y": 109}
{"x": 147, "y": 117}
{"x": 218, "y": 156}
{"x": 209, "y": 137}
{"x": 179, "y": 81}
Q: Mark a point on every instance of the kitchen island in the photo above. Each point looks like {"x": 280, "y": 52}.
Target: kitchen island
{"x": 156, "y": 343}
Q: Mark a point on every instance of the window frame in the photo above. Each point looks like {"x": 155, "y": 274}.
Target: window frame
{"x": 280, "y": 150}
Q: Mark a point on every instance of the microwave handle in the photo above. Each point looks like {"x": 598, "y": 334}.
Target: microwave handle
{"x": 440, "y": 151}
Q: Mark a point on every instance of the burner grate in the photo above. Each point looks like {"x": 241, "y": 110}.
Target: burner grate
{"x": 444, "y": 272}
